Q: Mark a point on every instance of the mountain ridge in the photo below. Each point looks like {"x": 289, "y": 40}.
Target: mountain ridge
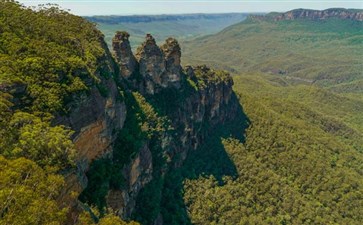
{"x": 301, "y": 13}
{"x": 298, "y": 49}
{"x": 114, "y": 19}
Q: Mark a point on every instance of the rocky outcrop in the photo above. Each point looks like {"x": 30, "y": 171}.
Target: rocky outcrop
{"x": 201, "y": 110}
{"x": 196, "y": 100}
{"x": 321, "y": 15}
{"x": 172, "y": 54}
{"x": 151, "y": 65}
{"x": 155, "y": 67}
{"x": 94, "y": 117}
{"x": 123, "y": 54}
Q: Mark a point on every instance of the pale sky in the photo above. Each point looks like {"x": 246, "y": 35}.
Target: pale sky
{"x": 131, "y": 7}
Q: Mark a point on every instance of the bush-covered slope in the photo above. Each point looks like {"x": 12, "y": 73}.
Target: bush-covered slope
{"x": 295, "y": 165}
{"x": 326, "y": 52}
{"x": 47, "y": 57}
{"x": 301, "y": 159}
{"x": 50, "y": 51}
{"x": 299, "y": 162}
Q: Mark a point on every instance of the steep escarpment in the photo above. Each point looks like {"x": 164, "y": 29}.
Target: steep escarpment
{"x": 323, "y": 14}
{"x": 170, "y": 111}
{"x": 60, "y": 109}
{"x": 94, "y": 116}
{"x": 339, "y": 13}
{"x": 107, "y": 128}
{"x": 186, "y": 96}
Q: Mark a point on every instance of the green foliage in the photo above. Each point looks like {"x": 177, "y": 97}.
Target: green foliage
{"x": 110, "y": 218}
{"x": 292, "y": 168}
{"x": 103, "y": 90}
{"x": 192, "y": 84}
{"x": 46, "y": 56}
{"x": 149, "y": 199}
{"x": 99, "y": 176}
{"x": 206, "y": 76}
{"x": 142, "y": 124}
{"x": 327, "y": 52}
{"x": 115, "y": 220}
{"x": 40, "y": 142}
{"x": 300, "y": 161}
{"x": 28, "y": 193}
{"x": 50, "y": 51}
{"x": 27, "y": 135}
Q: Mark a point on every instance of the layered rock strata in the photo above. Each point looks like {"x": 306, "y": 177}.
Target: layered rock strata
{"x": 204, "y": 101}
{"x": 195, "y": 99}
{"x": 321, "y": 15}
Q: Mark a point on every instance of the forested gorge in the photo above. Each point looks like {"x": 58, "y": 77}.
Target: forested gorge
{"x": 293, "y": 154}
{"x": 283, "y": 162}
{"x": 291, "y": 170}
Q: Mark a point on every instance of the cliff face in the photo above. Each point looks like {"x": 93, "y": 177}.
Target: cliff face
{"x": 193, "y": 100}
{"x": 111, "y": 125}
{"x": 320, "y": 15}
{"x": 156, "y": 68}
{"x": 94, "y": 116}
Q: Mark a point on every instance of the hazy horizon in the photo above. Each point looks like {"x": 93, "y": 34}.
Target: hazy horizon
{"x": 171, "y": 7}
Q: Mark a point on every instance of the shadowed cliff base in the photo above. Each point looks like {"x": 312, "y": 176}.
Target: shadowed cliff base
{"x": 161, "y": 201}
{"x": 175, "y": 122}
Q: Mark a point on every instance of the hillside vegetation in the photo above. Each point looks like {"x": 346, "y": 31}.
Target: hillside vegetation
{"x": 300, "y": 160}
{"x": 46, "y": 56}
{"x": 324, "y": 52}
{"x": 292, "y": 155}
{"x": 295, "y": 165}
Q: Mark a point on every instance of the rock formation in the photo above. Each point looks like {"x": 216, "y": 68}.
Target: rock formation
{"x": 153, "y": 68}
{"x": 195, "y": 100}
{"x": 321, "y": 15}
{"x": 151, "y": 65}
{"x": 172, "y": 53}
{"x": 124, "y": 56}
{"x": 160, "y": 76}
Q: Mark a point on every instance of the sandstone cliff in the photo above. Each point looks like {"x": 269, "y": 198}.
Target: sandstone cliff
{"x": 194, "y": 100}
{"x": 340, "y": 13}
{"x": 321, "y": 15}
{"x": 112, "y": 146}
{"x": 94, "y": 116}
{"x": 121, "y": 121}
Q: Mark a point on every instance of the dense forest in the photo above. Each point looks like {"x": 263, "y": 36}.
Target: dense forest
{"x": 293, "y": 153}
{"x": 299, "y": 82}
{"x": 295, "y": 165}
{"x": 284, "y": 162}
{"x": 54, "y": 55}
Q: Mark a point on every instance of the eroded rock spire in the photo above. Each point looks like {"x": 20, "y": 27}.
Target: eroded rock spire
{"x": 154, "y": 67}
{"x": 123, "y": 54}
{"x": 151, "y": 64}
{"x": 172, "y": 54}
